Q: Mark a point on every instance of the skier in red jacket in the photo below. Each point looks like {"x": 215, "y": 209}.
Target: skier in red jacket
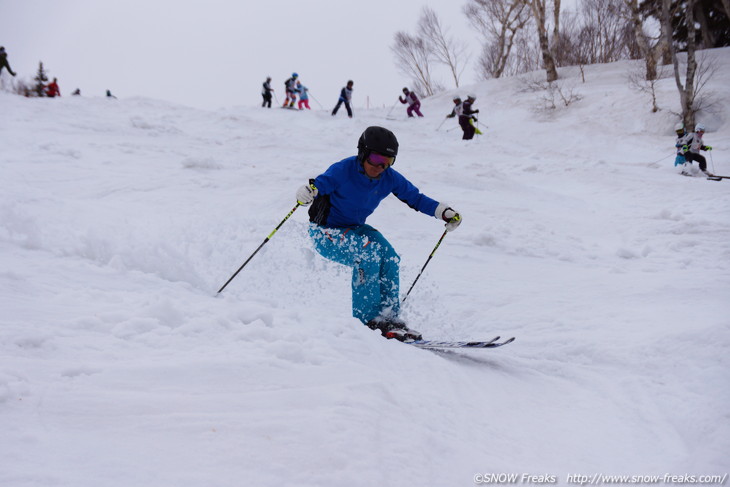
{"x": 52, "y": 89}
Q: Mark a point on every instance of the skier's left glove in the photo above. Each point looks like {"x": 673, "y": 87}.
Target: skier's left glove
{"x": 449, "y": 215}
{"x": 307, "y": 193}
{"x": 708, "y": 147}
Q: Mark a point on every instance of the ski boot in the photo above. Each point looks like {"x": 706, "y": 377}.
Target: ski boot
{"x": 394, "y": 328}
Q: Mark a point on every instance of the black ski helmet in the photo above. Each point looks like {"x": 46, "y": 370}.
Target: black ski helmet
{"x": 377, "y": 139}
{"x": 405, "y": 90}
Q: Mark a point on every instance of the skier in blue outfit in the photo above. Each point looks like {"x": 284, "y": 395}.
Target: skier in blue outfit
{"x": 679, "y": 144}
{"x": 343, "y": 197}
{"x": 345, "y": 97}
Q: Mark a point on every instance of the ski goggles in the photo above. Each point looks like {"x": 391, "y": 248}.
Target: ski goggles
{"x": 376, "y": 159}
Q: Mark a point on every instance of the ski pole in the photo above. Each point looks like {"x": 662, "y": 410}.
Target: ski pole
{"x": 424, "y": 265}
{"x": 259, "y": 248}
{"x": 315, "y": 99}
{"x": 391, "y": 108}
{"x": 713, "y": 163}
{"x": 441, "y": 124}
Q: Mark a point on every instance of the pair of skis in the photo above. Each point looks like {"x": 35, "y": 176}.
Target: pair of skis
{"x": 710, "y": 177}
{"x": 439, "y": 345}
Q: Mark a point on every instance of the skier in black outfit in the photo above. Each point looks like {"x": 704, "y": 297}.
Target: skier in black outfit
{"x": 266, "y": 92}
{"x": 345, "y": 97}
{"x": 693, "y": 144}
{"x": 290, "y": 85}
{"x": 4, "y": 61}
{"x": 465, "y": 118}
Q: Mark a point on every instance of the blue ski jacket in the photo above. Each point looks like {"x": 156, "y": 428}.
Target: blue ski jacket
{"x": 347, "y": 196}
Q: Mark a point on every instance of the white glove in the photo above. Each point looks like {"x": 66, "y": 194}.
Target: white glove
{"x": 306, "y": 194}
{"x": 447, "y": 214}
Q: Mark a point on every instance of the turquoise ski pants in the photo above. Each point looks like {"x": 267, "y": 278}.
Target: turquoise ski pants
{"x": 375, "y": 267}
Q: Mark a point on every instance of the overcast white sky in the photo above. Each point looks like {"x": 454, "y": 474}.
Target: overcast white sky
{"x": 216, "y": 53}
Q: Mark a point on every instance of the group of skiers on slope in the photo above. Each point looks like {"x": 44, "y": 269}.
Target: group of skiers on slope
{"x": 465, "y": 112}
{"x": 462, "y": 109}
{"x": 688, "y": 147}
{"x": 51, "y": 90}
{"x": 292, "y": 87}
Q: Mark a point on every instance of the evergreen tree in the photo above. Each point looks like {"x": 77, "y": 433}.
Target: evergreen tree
{"x": 40, "y": 81}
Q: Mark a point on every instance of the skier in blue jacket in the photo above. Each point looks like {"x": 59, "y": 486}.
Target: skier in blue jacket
{"x": 344, "y": 196}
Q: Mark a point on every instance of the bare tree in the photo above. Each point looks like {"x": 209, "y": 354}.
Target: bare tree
{"x": 444, "y": 49}
{"x": 638, "y": 80}
{"x": 526, "y": 54}
{"x": 539, "y": 13}
{"x": 565, "y": 45}
{"x": 651, "y": 49}
{"x": 605, "y": 23}
{"x": 414, "y": 59}
{"x": 499, "y": 22}
{"x": 556, "y": 25}
{"x": 687, "y": 92}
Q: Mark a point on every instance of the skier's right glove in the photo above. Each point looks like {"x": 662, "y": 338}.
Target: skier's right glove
{"x": 306, "y": 194}
{"x": 685, "y": 149}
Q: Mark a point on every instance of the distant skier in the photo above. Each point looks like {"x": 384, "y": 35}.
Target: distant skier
{"x": 345, "y": 97}
{"x": 52, "y": 89}
{"x": 109, "y": 94}
{"x": 344, "y": 196}
{"x": 303, "y": 96}
{"x": 458, "y": 111}
{"x": 692, "y": 147}
{"x": 291, "y": 90}
{"x": 681, "y": 141}
{"x": 414, "y": 104}
{"x": 266, "y": 92}
{"x": 4, "y": 62}
{"x": 77, "y": 92}
{"x": 466, "y": 118}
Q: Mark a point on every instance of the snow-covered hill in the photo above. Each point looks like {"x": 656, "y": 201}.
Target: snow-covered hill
{"x": 119, "y": 366}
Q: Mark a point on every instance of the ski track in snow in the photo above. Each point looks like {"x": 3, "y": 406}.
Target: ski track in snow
{"x": 119, "y": 219}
